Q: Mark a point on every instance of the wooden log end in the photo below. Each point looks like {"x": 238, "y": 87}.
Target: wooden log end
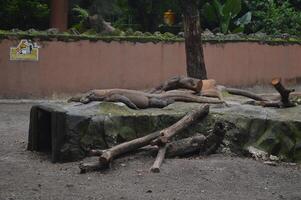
{"x": 155, "y": 169}
{"x": 276, "y": 81}
{"x": 104, "y": 162}
{"x": 95, "y": 152}
{"x": 162, "y": 133}
{"x": 199, "y": 86}
{"x": 205, "y": 107}
{"x": 89, "y": 167}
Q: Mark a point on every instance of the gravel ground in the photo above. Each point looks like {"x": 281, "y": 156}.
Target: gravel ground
{"x": 29, "y": 176}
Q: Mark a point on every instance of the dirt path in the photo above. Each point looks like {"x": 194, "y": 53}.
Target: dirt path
{"x": 29, "y": 176}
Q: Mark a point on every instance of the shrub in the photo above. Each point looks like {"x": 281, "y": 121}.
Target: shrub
{"x": 274, "y": 18}
{"x": 24, "y": 14}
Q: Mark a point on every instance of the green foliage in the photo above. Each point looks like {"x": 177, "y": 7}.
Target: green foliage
{"x": 275, "y": 17}
{"x": 91, "y": 18}
{"x": 104, "y": 8}
{"x": 145, "y": 15}
{"x": 24, "y": 14}
{"x": 224, "y": 15}
{"x": 131, "y": 36}
{"x": 82, "y": 15}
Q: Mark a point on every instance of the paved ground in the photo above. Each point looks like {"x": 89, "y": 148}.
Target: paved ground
{"x": 29, "y": 176}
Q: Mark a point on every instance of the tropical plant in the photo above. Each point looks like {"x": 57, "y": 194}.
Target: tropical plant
{"x": 93, "y": 16}
{"x": 82, "y": 15}
{"x": 225, "y": 15}
{"x": 24, "y": 14}
{"x": 274, "y": 17}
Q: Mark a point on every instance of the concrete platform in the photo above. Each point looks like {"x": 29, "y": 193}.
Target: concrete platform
{"x": 68, "y": 130}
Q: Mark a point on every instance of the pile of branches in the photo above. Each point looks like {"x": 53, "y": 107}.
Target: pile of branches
{"x": 164, "y": 140}
{"x": 164, "y": 143}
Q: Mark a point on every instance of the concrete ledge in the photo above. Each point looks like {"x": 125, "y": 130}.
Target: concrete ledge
{"x": 67, "y": 131}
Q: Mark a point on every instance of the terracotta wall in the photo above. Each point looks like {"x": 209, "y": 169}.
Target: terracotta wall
{"x": 72, "y": 67}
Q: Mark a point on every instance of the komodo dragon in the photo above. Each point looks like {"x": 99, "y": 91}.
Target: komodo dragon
{"x": 138, "y": 99}
{"x": 206, "y": 87}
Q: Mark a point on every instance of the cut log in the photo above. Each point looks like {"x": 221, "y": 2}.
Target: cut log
{"x": 215, "y": 139}
{"x": 95, "y": 152}
{"x": 284, "y": 93}
{"x": 190, "y": 146}
{"x": 89, "y": 167}
{"x": 176, "y": 128}
{"x": 185, "y": 147}
{"x": 180, "y": 148}
{"x": 108, "y": 155}
{"x": 159, "y": 159}
{"x": 245, "y": 93}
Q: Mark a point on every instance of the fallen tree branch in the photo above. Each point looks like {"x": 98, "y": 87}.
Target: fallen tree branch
{"x": 214, "y": 140}
{"x": 180, "y": 148}
{"x": 168, "y": 133}
{"x": 197, "y": 144}
{"x": 191, "y": 146}
{"x": 108, "y": 155}
{"x": 185, "y": 147}
{"x": 159, "y": 159}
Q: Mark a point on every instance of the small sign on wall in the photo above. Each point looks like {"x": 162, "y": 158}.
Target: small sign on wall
{"x": 26, "y": 50}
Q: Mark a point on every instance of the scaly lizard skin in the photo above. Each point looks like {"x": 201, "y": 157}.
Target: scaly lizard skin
{"x": 140, "y": 100}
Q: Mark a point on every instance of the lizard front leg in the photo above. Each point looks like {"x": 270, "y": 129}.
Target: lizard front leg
{"x": 159, "y": 103}
{"x": 121, "y": 98}
{"x": 84, "y": 98}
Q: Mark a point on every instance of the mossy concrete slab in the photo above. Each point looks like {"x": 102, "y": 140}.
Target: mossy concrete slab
{"x": 102, "y": 125}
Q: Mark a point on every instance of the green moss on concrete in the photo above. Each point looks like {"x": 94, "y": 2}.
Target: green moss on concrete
{"x": 139, "y": 37}
{"x": 101, "y": 125}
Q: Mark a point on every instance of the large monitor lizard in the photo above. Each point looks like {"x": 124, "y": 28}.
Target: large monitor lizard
{"x": 139, "y": 100}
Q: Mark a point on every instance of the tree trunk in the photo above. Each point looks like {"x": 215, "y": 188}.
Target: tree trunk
{"x": 193, "y": 41}
{"x": 284, "y": 93}
{"x": 59, "y": 14}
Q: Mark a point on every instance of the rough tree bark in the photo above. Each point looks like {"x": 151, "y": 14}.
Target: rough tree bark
{"x": 284, "y": 94}
{"x": 108, "y": 155}
{"x": 59, "y": 14}
{"x": 159, "y": 159}
{"x": 187, "y": 120}
{"x": 193, "y": 41}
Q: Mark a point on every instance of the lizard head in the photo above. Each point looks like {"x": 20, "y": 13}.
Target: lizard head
{"x": 97, "y": 95}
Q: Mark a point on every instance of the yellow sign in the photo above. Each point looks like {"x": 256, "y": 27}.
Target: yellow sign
{"x": 169, "y": 18}
{"x": 26, "y": 50}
